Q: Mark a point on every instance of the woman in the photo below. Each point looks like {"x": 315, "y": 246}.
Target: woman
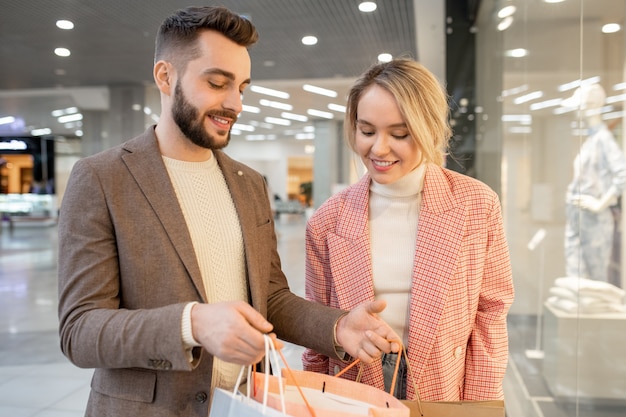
{"x": 427, "y": 240}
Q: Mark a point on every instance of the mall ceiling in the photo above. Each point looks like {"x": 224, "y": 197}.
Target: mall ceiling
{"x": 113, "y": 40}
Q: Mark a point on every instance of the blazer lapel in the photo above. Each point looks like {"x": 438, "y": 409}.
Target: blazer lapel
{"x": 349, "y": 248}
{"x": 435, "y": 262}
{"x": 145, "y": 163}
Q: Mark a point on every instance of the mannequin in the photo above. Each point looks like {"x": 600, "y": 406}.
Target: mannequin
{"x": 599, "y": 179}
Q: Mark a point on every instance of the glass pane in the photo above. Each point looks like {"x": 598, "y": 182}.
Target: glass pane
{"x": 550, "y": 82}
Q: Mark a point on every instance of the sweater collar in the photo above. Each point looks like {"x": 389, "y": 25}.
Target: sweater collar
{"x": 409, "y": 185}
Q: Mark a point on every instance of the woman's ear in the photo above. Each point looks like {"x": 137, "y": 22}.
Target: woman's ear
{"x": 163, "y": 73}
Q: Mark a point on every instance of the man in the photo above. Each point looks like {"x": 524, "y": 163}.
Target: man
{"x": 168, "y": 269}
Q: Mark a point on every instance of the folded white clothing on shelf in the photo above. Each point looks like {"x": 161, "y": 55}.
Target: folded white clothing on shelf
{"x": 591, "y": 288}
{"x": 585, "y": 296}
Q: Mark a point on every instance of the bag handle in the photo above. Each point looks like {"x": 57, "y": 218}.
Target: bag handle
{"x": 270, "y": 349}
{"x": 402, "y": 352}
{"x": 293, "y": 378}
{"x": 408, "y": 367}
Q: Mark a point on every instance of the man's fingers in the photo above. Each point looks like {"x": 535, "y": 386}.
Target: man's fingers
{"x": 278, "y": 344}
{"x": 255, "y": 318}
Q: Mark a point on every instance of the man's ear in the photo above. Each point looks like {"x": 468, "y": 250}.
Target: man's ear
{"x": 163, "y": 73}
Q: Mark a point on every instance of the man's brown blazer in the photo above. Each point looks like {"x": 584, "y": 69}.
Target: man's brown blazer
{"x": 127, "y": 268}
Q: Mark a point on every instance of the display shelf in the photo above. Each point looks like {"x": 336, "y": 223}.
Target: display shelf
{"x": 584, "y": 356}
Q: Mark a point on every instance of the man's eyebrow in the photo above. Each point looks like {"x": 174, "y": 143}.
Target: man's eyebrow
{"x": 224, "y": 73}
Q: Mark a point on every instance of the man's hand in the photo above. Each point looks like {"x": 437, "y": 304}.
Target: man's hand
{"x": 362, "y": 334}
{"x": 233, "y": 332}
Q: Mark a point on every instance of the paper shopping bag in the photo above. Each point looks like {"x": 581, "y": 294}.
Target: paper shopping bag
{"x": 419, "y": 408}
{"x": 307, "y": 392}
{"x": 493, "y": 408}
{"x": 238, "y": 403}
{"x": 231, "y": 404}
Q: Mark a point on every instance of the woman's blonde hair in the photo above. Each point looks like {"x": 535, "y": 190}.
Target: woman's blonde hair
{"x": 422, "y": 101}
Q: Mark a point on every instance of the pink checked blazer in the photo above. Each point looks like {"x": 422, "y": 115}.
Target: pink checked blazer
{"x": 461, "y": 292}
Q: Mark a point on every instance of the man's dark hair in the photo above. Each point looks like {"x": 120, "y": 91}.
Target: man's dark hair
{"x": 176, "y": 40}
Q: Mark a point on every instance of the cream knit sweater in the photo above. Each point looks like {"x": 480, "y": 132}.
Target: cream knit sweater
{"x": 215, "y": 231}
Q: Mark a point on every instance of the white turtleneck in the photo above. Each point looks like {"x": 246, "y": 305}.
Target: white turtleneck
{"x": 393, "y": 217}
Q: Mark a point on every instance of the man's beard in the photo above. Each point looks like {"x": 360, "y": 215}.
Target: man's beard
{"x": 186, "y": 116}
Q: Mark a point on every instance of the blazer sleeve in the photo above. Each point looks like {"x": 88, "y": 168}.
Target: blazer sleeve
{"x": 487, "y": 355}
{"x": 294, "y": 318}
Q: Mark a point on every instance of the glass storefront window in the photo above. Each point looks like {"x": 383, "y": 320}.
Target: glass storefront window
{"x": 550, "y": 81}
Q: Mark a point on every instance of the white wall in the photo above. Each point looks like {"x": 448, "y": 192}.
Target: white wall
{"x": 269, "y": 158}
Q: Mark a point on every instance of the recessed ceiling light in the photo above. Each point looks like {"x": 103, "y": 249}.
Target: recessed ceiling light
{"x": 319, "y": 90}
{"x": 506, "y": 11}
{"x": 275, "y": 104}
{"x": 517, "y": 53}
{"x": 65, "y": 24}
{"x": 611, "y": 28}
{"x": 269, "y": 91}
{"x": 292, "y": 116}
{"x": 337, "y": 107}
{"x": 309, "y": 40}
{"x": 61, "y": 112}
{"x": 304, "y": 136}
{"x": 251, "y": 109}
{"x": 240, "y": 126}
{"x": 7, "y": 120}
{"x": 70, "y": 118}
{"x": 62, "y": 51}
{"x": 319, "y": 113}
{"x": 384, "y": 57}
{"x": 277, "y": 121}
{"x": 367, "y": 6}
{"x": 41, "y": 132}
{"x": 505, "y": 23}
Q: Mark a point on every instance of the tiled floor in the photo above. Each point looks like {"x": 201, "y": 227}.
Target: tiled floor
{"x": 37, "y": 381}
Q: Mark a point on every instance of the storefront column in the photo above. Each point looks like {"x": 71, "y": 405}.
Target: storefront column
{"x": 127, "y": 118}
{"x": 94, "y": 127}
{"x": 329, "y": 161}
{"x": 124, "y": 120}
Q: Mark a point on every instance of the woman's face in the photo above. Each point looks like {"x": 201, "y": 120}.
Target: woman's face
{"x": 382, "y": 137}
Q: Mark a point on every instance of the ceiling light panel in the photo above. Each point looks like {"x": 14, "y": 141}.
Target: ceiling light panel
{"x": 319, "y": 90}
{"x": 269, "y": 91}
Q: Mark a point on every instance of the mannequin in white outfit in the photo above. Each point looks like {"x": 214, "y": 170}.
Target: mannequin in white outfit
{"x": 599, "y": 179}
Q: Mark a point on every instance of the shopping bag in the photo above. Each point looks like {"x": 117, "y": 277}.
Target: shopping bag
{"x": 419, "y": 408}
{"x": 493, "y": 408}
{"x": 240, "y": 404}
{"x": 228, "y": 404}
{"x": 305, "y": 394}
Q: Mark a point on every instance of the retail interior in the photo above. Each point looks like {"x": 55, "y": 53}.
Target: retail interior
{"x": 511, "y": 68}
